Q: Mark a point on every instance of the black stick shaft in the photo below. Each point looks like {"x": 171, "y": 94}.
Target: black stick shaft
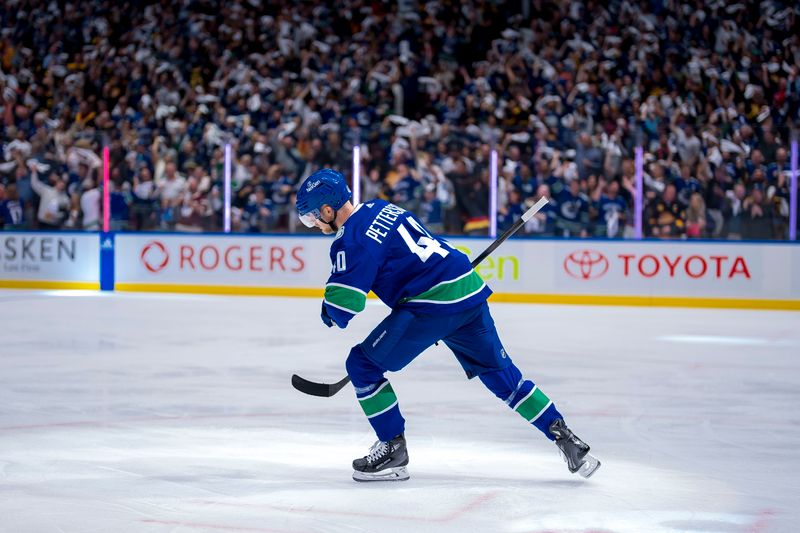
{"x": 535, "y": 208}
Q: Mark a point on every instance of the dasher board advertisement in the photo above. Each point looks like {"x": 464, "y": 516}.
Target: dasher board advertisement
{"x": 723, "y": 274}
{"x": 49, "y": 260}
{"x": 642, "y": 269}
{"x": 175, "y": 262}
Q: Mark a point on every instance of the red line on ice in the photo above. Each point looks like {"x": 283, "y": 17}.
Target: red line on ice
{"x": 200, "y": 525}
{"x": 480, "y": 500}
{"x": 571, "y": 531}
{"x": 760, "y": 525}
{"x": 449, "y": 517}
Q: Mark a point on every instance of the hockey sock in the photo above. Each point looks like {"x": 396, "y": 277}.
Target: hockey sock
{"x": 375, "y": 395}
{"x": 383, "y": 413}
{"x": 523, "y": 396}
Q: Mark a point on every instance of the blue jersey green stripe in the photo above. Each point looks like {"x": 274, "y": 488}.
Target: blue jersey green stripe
{"x": 532, "y": 405}
{"x": 379, "y": 401}
{"x": 451, "y": 291}
{"x": 345, "y": 297}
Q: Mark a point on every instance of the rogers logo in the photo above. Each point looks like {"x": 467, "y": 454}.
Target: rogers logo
{"x": 188, "y": 257}
{"x": 586, "y": 264}
{"x": 154, "y": 256}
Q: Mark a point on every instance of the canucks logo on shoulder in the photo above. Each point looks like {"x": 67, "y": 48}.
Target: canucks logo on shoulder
{"x": 389, "y": 252}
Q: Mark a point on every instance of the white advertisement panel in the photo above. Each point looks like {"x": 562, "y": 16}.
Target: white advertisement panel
{"x": 64, "y": 259}
{"x": 577, "y": 271}
{"x": 681, "y": 269}
{"x": 220, "y": 260}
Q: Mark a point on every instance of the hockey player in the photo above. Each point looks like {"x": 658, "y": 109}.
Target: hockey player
{"x": 434, "y": 295}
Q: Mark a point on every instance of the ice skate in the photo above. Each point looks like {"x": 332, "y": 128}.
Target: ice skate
{"x": 386, "y": 461}
{"x": 574, "y": 451}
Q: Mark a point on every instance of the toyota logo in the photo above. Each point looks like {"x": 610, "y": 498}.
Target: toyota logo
{"x": 586, "y": 264}
{"x": 154, "y": 256}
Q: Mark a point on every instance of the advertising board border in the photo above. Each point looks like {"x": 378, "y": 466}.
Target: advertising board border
{"x": 504, "y": 297}
{"x": 49, "y": 284}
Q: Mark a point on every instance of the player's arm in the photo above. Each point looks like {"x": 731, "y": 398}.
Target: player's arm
{"x": 353, "y": 272}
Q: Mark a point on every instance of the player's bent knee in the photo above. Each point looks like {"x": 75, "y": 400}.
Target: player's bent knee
{"x": 361, "y": 370}
{"x": 504, "y": 382}
{"x": 354, "y": 361}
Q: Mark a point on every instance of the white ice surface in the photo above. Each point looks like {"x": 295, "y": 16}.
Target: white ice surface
{"x": 156, "y": 414}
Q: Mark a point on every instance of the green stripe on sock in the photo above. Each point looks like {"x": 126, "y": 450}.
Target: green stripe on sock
{"x": 450, "y": 291}
{"x": 379, "y": 401}
{"x": 533, "y": 405}
{"x": 351, "y": 299}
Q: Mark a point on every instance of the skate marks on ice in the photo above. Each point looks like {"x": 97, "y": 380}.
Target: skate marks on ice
{"x": 250, "y": 479}
{"x": 148, "y": 414}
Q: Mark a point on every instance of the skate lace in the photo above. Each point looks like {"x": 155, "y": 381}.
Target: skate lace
{"x": 377, "y": 451}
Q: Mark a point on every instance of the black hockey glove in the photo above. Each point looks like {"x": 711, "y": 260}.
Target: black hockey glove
{"x": 326, "y": 319}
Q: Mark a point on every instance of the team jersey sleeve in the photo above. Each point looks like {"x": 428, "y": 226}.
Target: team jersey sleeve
{"x": 352, "y": 274}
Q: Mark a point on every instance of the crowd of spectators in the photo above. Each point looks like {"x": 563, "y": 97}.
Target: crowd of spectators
{"x": 564, "y": 91}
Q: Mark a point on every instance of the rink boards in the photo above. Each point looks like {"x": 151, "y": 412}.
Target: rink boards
{"x": 597, "y": 272}
{"x": 44, "y": 260}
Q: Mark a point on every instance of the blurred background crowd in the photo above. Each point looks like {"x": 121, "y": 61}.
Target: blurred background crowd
{"x": 564, "y": 91}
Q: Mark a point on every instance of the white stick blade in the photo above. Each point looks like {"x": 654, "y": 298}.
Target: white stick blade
{"x": 535, "y": 208}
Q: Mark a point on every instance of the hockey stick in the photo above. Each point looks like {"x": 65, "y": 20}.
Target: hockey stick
{"x": 329, "y": 389}
{"x": 526, "y": 216}
{"x": 325, "y": 390}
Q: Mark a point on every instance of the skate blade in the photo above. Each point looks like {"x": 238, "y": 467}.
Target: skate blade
{"x": 399, "y": 473}
{"x": 589, "y": 466}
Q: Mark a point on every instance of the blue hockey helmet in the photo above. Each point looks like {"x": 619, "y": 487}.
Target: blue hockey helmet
{"x": 323, "y": 187}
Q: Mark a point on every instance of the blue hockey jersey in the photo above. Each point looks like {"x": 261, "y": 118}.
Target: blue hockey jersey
{"x": 384, "y": 248}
